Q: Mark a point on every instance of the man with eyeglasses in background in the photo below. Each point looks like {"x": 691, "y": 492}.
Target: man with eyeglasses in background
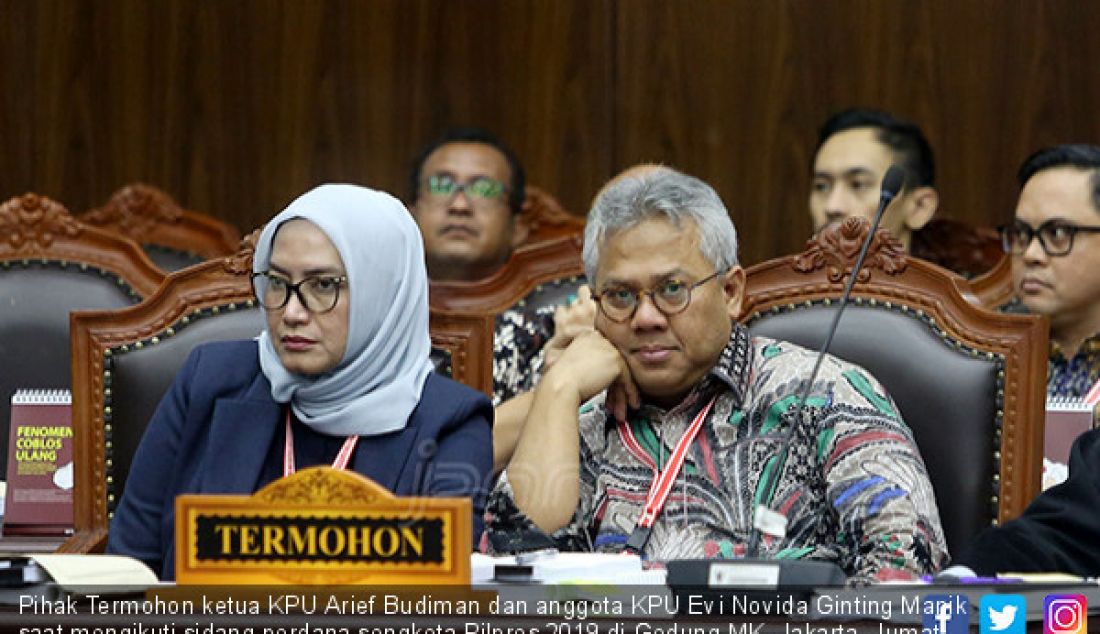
{"x": 468, "y": 192}
{"x": 1054, "y": 243}
{"x": 671, "y": 407}
{"x": 467, "y": 195}
{"x": 1055, "y": 253}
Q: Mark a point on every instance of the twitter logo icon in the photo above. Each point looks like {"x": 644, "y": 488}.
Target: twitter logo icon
{"x": 1003, "y": 614}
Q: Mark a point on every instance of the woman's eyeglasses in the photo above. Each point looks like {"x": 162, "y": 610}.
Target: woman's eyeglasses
{"x": 317, "y": 294}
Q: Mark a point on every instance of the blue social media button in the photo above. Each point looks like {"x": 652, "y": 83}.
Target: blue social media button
{"x": 1003, "y": 614}
{"x": 945, "y": 614}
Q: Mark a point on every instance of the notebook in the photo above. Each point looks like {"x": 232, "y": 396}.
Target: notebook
{"x": 1066, "y": 419}
{"x": 39, "y": 498}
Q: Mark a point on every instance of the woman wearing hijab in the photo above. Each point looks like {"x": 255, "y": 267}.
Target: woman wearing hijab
{"x": 340, "y": 376}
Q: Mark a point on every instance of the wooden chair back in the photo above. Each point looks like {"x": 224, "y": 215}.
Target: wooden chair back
{"x": 545, "y": 219}
{"x": 172, "y": 236}
{"x": 51, "y": 264}
{"x": 969, "y": 382}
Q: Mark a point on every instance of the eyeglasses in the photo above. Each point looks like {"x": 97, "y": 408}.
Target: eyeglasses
{"x": 670, "y": 297}
{"x": 482, "y": 188}
{"x": 317, "y": 294}
{"x": 1055, "y": 236}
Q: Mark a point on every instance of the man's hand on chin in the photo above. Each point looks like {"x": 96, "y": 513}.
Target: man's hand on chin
{"x": 590, "y": 365}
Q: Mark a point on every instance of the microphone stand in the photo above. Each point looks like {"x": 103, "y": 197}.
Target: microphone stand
{"x": 891, "y": 185}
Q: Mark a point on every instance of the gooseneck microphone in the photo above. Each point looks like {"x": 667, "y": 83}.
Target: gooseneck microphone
{"x": 764, "y": 518}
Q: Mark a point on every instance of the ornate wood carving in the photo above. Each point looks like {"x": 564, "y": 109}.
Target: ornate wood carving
{"x": 333, "y": 487}
{"x": 31, "y": 221}
{"x": 240, "y": 262}
{"x": 835, "y": 249}
{"x": 135, "y": 210}
{"x": 150, "y": 217}
{"x": 38, "y": 228}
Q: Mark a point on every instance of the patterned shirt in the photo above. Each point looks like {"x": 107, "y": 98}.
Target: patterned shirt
{"x": 1075, "y": 376}
{"x": 854, "y": 489}
{"x": 1066, "y": 377}
{"x": 517, "y": 350}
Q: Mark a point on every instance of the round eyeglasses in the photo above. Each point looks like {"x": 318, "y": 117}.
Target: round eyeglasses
{"x": 1055, "y": 236}
{"x": 670, "y": 297}
{"x": 316, "y": 294}
{"x": 443, "y": 187}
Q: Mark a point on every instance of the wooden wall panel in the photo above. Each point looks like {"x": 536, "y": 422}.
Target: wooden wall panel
{"x": 734, "y": 92}
{"x": 236, "y": 107}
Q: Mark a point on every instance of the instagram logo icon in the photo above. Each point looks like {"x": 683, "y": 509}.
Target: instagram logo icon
{"x": 1065, "y": 614}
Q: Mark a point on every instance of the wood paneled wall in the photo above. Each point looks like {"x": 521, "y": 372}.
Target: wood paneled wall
{"x": 235, "y": 107}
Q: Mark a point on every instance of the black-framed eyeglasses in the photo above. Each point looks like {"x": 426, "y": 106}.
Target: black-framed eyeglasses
{"x": 317, "y": 294}
{"x": 480, "y": 188}
{"x": 670, "y": 297}
{"x": 1055, "y": 236}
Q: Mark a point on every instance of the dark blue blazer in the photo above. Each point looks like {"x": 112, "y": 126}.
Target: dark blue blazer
{"x": 212, "y": 431}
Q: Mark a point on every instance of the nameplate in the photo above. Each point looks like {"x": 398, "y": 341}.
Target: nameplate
{"x": 322, "y": 526}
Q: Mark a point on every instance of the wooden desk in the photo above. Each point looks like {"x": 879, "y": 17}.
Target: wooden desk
{"x": 22, "y": 544}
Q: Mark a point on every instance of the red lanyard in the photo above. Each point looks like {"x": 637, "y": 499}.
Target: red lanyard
{"x": 661, "y": 486}
{"x": 342, "y": 457}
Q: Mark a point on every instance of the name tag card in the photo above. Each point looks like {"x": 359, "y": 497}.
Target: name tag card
{"x": 322, "y": 526}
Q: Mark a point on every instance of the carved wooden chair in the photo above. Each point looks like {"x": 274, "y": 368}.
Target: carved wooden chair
{"x": 173, "y": 237}
{"x": 969, "y": 382}
{"x": 534, "y": 282}
{"x": 956, "y": 246}
{"x": 51, "y": 264}
{"x": 541, "y": 275}
{"x": 545, "y": 219}
{"x": 124, "y": 361}
{"x": 994, "y": 288}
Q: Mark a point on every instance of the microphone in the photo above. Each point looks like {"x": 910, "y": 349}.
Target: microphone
{"x": 765, "y": 518}
{"x": 783, "y": 572}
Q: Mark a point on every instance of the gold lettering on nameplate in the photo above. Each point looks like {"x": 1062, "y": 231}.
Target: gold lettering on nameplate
{"x": 251, "y": 538}
{"x": 322, "y": 526}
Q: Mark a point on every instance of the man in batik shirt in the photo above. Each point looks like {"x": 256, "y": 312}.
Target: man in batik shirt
{"x": 1054, "y": 243}
{"x": 667, "y": 357}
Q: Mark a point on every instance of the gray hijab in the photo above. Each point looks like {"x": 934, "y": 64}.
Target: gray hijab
{"x": 377, "y": 384}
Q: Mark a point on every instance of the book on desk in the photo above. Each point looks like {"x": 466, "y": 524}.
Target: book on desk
{"x": 39, "y": 493}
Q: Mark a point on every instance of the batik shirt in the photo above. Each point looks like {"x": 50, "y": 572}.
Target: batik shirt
{"x": 1075, "y": 376}
{"x": 1066, "y": 377}
{"x": 517, "y": 350}
{"x": 853, "y": 488}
